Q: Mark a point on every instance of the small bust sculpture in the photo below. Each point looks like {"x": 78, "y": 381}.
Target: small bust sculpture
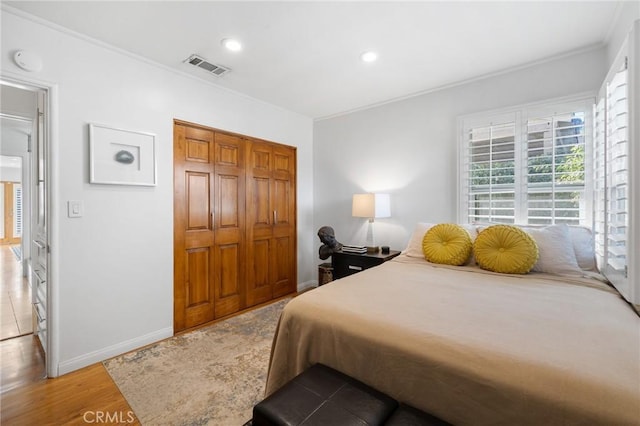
{"x": 329, "y": 242}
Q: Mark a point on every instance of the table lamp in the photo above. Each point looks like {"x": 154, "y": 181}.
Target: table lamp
{"x": 371, "y": 206}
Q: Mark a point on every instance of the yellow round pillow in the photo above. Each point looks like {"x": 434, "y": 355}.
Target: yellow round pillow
{"x": 506, "y": 249}
{"x": 447, "y": 243}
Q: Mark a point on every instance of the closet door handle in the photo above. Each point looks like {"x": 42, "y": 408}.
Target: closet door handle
{"x": 275, "y": 217}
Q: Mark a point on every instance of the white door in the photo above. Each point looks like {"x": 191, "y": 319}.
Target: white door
{"x": 39, "y": 215}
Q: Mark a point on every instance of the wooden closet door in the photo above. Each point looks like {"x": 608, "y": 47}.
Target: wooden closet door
{"x": 229, "y": 224}
{"x": 259, "y": 223}
{"x": 194, "y": 237}
{"x": 271, "y": 222}
{"x": 234, "y": 223}
{"x": 284, "y": 263}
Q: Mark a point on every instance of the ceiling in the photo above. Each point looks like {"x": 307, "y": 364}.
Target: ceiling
{"x": 304, "y": 56}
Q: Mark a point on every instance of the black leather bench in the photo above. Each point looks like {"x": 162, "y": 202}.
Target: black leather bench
{"x": 322, "y": 396}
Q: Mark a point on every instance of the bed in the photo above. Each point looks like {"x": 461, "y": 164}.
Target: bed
{"x": 472, "y": 346}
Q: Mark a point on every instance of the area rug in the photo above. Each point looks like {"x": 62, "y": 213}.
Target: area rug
{"x": 211, "y": 376}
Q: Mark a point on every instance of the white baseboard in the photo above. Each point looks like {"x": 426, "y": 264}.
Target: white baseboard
{"x": 109, "y": 352}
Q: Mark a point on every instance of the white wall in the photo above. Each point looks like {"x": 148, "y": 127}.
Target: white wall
{"x": 115, "y": 272}
{"x": 628, "y": 12}
{"x": 17, "y": 102}
{"x": 11, "y": 174}
{"x": 409, "y": 148}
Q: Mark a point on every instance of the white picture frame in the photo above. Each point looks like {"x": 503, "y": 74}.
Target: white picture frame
{"x": 121, "y": 157}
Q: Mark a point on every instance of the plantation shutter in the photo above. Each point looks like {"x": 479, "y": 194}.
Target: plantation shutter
{"x": 2, "y": 209}
{"x": 612, "y": 151}
{"x": 490, "y": 155}
{"x": 555, "y": 174}
{"x": 17, "y": 210}
{"x": 600, "y": 183}
{"x": 618, "y": 241}
{"x": 528, "y": 166}
{"x": 617, "y": 155}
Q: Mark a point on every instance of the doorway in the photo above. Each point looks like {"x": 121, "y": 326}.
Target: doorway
{"x": 24, "y": 246}
{"x": 15, "y": 297}
{"x": 11, "y": 201}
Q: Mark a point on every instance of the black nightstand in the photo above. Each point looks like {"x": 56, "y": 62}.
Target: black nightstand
{"x": 350, "y": 263}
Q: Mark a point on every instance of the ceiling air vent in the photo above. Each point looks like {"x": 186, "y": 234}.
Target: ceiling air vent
{"x": 200, "y": 62}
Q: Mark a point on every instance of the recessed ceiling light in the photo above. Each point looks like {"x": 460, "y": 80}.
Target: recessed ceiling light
{"x": 369, "y": 56}
{"x": 232, "y": 44}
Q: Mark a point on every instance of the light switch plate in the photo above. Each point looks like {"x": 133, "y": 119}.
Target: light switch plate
{"x": 75, "y": 208}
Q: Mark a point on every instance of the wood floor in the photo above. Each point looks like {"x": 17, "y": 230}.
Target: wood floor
{"x": 86, "y": 396}
{"x": 15, "y": 297}
{"x": 27, "y": 397}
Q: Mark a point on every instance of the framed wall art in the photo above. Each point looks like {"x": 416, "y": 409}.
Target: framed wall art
{"x": 121, "y": 157}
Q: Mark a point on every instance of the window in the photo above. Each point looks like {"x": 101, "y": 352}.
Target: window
{"x": 611, "y": 160}
{"x": 528, "y": 166}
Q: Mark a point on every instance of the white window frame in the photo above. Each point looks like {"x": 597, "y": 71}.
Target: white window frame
{"x": 520, "y": 115}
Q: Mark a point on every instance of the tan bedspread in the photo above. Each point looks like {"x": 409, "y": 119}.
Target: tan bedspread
{"x": 471, "y": 348}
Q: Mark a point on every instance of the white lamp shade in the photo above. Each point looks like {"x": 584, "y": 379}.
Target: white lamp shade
{"x": 371, "y": 205}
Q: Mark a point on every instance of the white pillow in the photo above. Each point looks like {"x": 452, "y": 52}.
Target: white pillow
{"x": 473, "y": 233}
{"x": 414, "y": 248}
{"x": 583, "y": 246}
{"x": 555, "y": 250}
